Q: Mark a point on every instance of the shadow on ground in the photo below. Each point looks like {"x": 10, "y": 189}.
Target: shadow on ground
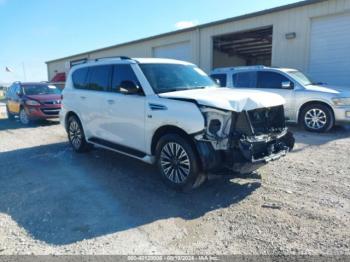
{"x": 61, "y": 197}
{"x": 7, "y": 124}
{"x": 305, "y": 138}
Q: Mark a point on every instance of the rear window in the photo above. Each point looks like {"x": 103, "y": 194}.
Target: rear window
{"x": 244, "y": 80}
{"x": 40, "y": 89}
{"x": 79, "y": 78}
{"x": 221, "y": 78}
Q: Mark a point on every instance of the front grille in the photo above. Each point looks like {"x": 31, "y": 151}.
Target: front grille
{"x": 53, "y": 102}
{"x": 51, "y": 111}
{"x": 266, "y": 120}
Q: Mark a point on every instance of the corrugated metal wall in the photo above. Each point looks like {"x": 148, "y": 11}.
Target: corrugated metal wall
{"x": 285, "y": 53}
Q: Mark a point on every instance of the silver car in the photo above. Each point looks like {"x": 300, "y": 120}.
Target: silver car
{"x": 317, "y": 106}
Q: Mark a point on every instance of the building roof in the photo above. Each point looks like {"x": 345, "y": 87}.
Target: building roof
{"x": 232, "y": 19}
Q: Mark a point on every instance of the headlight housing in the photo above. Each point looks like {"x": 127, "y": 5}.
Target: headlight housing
{"x": 341, "y": 101}
{"x": 218, "y": 122}
{"x": 32, "y": 103}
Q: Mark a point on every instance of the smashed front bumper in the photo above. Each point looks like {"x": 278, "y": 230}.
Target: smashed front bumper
{"x": 246, "y": 155}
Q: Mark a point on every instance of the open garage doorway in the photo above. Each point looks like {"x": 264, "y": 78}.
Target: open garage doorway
{"x": 253, "y": 47}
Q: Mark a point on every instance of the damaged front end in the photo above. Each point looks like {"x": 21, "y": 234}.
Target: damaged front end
{"x": 244, "y": 141}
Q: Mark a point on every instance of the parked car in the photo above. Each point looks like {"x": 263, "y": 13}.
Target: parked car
{"x": 31, "y": 101}
{"x": 170, "y": 113}
{"x": 316, "y": 106}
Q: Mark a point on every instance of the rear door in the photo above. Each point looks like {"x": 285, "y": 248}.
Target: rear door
{"x": 94, "y": 99}
{"x": 91, "y": 85}
{"x": 125, "y": 114}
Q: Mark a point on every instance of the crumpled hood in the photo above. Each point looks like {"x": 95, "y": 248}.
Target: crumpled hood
{"x": 338, "y": 90}
{"x": 236, "y": 100}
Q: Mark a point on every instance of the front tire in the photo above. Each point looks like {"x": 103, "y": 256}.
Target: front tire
{"x": 177, "y": 162}
{"x": 317, "y": 118}
{"x": 76, "y": 136}
{"x": 23, "y": 117}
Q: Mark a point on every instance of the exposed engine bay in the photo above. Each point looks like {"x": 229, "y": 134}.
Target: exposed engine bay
{"x": 243, "y": 141}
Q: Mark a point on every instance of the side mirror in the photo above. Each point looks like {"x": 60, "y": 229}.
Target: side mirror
{"x": 18, "y": 93}
{"x": 287, "y": 85}
{"x": 129, "y": 88}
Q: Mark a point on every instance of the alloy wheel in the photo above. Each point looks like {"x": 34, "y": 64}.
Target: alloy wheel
{"x": 315, "y": 118}
{"x": 75, "y": 134}
{"x": 175, "y": 162}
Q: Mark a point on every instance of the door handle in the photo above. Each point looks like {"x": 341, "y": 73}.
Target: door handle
{"x": 83, "y": 97}
{"x": 110, "y": 101}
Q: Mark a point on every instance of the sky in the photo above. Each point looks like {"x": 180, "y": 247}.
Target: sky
{"x": 35, "y": 31}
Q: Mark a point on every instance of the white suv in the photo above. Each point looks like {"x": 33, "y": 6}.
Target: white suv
{"x": 170, "y": 113}
{"x": 317, "y": 106}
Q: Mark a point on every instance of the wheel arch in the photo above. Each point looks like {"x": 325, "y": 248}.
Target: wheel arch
{"x": 67, "y": 116}
{"x": 170, "y": 129}
{"x": 301, "y": 108}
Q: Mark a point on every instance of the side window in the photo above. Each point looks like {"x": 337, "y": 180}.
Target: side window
{"x": 244, "y": 80}
{"x": 123, "y": 72}
{"x": 16, "y": 90}
{"x": 9, "y": 92}
{"x": 221, "y": 78}
{"x": 99, "y": 78}
{"x": 271, "y": 80}
{"x": 79, "y": 78}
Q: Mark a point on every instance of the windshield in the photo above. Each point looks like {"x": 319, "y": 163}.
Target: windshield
{"x": 174, "y": 77}
{"x": 300, "y": 77}
{"x": 40, "y": 90}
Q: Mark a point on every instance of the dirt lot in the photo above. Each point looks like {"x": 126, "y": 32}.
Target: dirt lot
{"x": 53, "y": 201}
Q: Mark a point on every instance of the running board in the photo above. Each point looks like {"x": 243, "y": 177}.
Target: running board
{"x": 117, "y": 147}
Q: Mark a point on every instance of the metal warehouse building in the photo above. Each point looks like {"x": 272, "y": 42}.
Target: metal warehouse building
{"x": 312, "y": 36}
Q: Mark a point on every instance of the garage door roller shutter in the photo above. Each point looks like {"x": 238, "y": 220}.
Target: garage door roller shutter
{"x": 330, "y": 49}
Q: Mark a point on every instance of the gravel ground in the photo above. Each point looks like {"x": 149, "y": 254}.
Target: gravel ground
{"x": 54, "y": 201}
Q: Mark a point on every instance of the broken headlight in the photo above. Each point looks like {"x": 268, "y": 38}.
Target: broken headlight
{"x": 218, "y": 122}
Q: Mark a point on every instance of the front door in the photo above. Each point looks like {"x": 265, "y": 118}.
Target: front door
{"x": 272, "y": 82}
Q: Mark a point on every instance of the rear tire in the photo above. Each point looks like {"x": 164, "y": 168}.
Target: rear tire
{"x": 10, "y": 116}
{"x": 317, "y": 118}
{"x": 177, "y": 162}
{"x": 76, "y": 135}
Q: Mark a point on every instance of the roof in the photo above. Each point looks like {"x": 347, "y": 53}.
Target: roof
{"x": 249, "y": 68}
{"x": 160, "y": 61}
{"x": 236, "y": 18}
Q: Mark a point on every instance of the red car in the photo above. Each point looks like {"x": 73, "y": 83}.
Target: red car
{"x": 31, "y": 101}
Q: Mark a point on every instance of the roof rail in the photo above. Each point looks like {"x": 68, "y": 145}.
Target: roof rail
{"x": 113, "y": 57}
{"x": 250, "y": 67}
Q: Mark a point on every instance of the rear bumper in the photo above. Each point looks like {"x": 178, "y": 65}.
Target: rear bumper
{"x": 245, "y": 157}
{"x": 41, "y": 112}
